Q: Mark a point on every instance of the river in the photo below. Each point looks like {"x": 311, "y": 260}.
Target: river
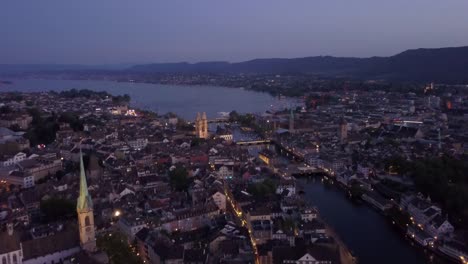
{"x": 185, "y": 101}
{"x": 368, "y": 234}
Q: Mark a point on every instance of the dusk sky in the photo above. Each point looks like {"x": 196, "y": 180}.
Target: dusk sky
{"x": 124, "y": 31}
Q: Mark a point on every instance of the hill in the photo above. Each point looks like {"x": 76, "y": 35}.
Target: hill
{"x": 439, "y": 65}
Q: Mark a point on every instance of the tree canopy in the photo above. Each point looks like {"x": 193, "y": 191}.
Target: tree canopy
{"x": 178, "y": 178}
{"x": 55, "y": 208}
{"x": 444, "y": 179}
{"x": 116, "y": 246}
{"x": 262, "y": 189}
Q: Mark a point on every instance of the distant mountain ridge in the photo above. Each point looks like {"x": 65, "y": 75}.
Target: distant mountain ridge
{"x": 445, "y": 65}
{"x": 34, "y": 68}
{"x": 439, "y": 65}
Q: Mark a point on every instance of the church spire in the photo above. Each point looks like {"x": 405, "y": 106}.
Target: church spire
{"x": 84, "y": 200}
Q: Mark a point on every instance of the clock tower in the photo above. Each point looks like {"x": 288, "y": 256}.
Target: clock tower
{"x": 84, "y": 208}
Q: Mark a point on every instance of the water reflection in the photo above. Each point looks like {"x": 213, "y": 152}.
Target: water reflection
{"x": 367, "y": 233}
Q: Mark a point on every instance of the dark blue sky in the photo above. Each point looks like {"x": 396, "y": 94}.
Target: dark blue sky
{"x": 127, "y": 31}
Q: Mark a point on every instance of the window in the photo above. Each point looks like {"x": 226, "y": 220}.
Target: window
{"x": 15, "y": 259}
{"x": 4, "y": 260}
{"x": 87, "y": 222}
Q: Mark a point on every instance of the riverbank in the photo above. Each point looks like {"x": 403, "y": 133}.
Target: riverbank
{"x": 370, "y": 235}
{"x": 346, "y": 255}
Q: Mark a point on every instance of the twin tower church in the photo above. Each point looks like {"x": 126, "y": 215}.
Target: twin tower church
{"x": 201, "y": 126}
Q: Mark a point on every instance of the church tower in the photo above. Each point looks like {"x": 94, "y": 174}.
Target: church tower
{"x": 204, "y": 126}
{"x": 84, "y": 208}
{"x": 201, "y": 125}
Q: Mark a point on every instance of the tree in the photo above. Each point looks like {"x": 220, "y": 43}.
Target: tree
{"x": 72, "y": 119}
{"x": 178, "y": 179}
{"x": 263, "y": 189}
{"x": 56, "y": 208}
{"x": 356, "y": 190}
{"x": 443, "y": 179}
{"x": 196, "y": 142}
{"x": 116, "y": 246}
{"x": 121, "y": 99}
{"x": 245, "y": 120}
{"x": 233, "y": 116}
{"x": 59, "y": 175}
{"x": 183, "y": 125}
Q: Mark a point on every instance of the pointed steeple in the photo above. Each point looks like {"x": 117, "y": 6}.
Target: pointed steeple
{"x": 84, "y": 200}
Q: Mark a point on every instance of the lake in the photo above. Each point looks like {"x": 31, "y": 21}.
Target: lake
{"x": 185, "y": 101}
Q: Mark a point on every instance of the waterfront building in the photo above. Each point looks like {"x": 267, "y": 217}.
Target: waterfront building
{"x": 420, "y": 236}
{"x": 317, "y": 254}
{"x": 308, "y": 214}
{"x": 377, "y": 200}
{"x": 439, "y": 226}
{"x": 286, "y": 187}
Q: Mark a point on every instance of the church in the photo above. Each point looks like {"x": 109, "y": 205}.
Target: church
{"x": 84, "y": 208}
{"x": 55, "y": 242}
{"x": 201, "y": 126}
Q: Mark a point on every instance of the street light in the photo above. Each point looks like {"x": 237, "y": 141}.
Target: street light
{"x": 117, "y": 213}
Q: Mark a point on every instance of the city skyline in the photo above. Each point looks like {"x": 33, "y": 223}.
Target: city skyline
{"x": 117, "y": 32}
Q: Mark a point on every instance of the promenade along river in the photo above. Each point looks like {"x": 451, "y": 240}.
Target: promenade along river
{"x": 368, "y": 234}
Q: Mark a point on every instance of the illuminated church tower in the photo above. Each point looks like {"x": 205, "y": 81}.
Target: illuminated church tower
{"x": 84, "y": 208}
{"x": 201, "y": 126}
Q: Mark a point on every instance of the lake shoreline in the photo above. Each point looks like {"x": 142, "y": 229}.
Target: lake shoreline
{"x": 183, "y": 100}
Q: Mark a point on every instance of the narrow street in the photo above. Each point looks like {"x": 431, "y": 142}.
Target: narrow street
{"x": 241, "y": 220}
